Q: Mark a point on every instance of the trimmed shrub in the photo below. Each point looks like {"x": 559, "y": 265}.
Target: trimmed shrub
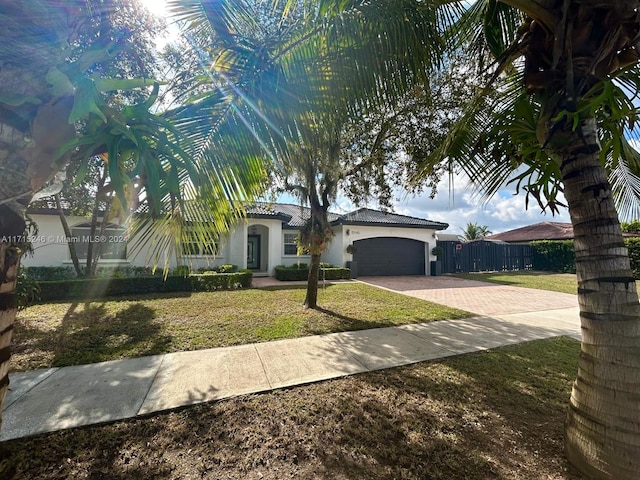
{"x": 554, "y": 256}
{"x": 69, "y": 273}
{"x": 301, "y": 272}
{"x": 94, "y": 288}
{"x": 91, "y": 288}
{"x": 292, "y": 272}
{"x": 49, "y": 273}
{"x": 226, "y": 268}
{"x": 210, "y": 281}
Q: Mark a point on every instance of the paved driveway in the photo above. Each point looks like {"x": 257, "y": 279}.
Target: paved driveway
{"x": 473, "y": 296}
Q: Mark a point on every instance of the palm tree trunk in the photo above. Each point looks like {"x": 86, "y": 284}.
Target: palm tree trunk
{"x": 9, "y": 264}
{"x": 602, "y": 430}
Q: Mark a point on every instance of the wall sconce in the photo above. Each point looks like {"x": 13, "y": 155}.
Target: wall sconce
{"x": 348, "y": 232}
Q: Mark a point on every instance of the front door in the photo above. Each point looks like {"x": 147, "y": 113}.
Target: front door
{"x": 253, "y": 252}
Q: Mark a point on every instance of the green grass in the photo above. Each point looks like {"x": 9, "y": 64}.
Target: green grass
{"x": 555, "y": 282}
{"x": 60, "y": 334}
{"x": 497, "y": 415}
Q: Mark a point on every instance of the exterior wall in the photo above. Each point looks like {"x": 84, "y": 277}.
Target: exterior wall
{"x": 50, "y": 244}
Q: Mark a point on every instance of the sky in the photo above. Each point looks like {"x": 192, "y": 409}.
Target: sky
{"x": 457, "y": 206}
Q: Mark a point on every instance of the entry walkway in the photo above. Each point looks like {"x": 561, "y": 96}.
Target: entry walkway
{"x": 59, "y": 398}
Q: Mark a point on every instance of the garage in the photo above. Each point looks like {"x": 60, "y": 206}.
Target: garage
{"x": 389, "y": 256}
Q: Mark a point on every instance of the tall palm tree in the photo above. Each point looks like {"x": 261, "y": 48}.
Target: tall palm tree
{"x": 52, "y": 108}
{"x": 567, "y": 74}
{"x": 294, "y": 75}
{"x": 473, "y": 231}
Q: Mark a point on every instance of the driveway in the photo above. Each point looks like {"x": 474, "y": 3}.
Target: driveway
{"x": 482, "y": 298}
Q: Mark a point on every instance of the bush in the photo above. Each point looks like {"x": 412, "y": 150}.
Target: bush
{"x": 210, "y": 281}
{"x": 181, "y": 270}
{"x": 633, "y": 245}
{"x": 558, "y": 256}
{"x": 27, "y": 290}
{"x": 301, "y": 272}
{"x": 554, "y": 256}
{"x": 93, "y": 288}
{"x": 226, "y": 268}
{"x": 69, "y": 273}
{"x": 49, "y": 273}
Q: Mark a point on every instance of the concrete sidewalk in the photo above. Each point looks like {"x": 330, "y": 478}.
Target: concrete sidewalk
{"x": 59, "y": 398}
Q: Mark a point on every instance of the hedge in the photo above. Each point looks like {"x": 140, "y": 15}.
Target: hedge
{"x": 210, "y": 281}
{"x": 558, "y": 256}
{"x": 633, "y": 245}
{"x": 69, "y": 273}
{"x": 554, "y": 256}
{"x": 91, "y": 288}
{"x": 301, "y": 272}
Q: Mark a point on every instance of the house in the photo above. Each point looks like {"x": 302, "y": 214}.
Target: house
{"x": 380, "y": 243}
{"x": 538, "y": 231}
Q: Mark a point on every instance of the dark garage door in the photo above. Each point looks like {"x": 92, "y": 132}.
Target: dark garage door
{"x": 389, "y": 256}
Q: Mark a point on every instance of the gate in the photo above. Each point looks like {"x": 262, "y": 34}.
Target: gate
{"x": 484, "y": 256}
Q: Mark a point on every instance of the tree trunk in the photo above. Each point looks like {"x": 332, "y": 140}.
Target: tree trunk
{"x": 311, "y": 300}
{"x": 602, "y": 430}
{"x": 9, "y": 263}
{"x": 67, "y": 231}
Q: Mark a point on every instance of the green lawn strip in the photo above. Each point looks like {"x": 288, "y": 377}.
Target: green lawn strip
{"x": 496, "y": 414}
{"x": 555, "y": 282}
{"x": 61, "y": 334}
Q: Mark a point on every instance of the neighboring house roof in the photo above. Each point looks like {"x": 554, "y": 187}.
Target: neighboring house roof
{"x": 363, "y": 216}
{"x": 538, "y": 231}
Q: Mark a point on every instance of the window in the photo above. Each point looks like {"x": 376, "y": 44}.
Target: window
{"x": 111, "y": 245}
{"x": 290, "y": 245}
{"x": 203, "y": 244}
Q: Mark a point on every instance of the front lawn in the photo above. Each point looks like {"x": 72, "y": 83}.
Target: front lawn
{"x": 60, "y": 334}
{"x": 490, "y": 415}
{"x": 556, "y": 282}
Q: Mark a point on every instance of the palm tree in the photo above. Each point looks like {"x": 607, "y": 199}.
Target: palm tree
{"x": 294, "y": 78}
{"x": 51, "y": 57}
{"x": 567, "y": 72}
{"x": 473, "y": 231}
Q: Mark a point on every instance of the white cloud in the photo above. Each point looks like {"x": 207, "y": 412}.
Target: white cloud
{"x": 459, "y": 206}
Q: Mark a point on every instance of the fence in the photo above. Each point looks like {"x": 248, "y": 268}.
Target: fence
{"x": 483, "y": 256}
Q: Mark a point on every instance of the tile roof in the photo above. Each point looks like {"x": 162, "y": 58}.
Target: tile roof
{"x": 367, "y": 216}
{"x": 362, "y": 216}
{"x": 293, "y": 215}
{"x": 538, "y": 231}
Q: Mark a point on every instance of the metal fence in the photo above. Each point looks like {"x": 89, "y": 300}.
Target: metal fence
{"x": 483, "y": 256}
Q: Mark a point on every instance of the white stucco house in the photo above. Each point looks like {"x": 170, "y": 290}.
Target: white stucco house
{"x": 382, "y": 243}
